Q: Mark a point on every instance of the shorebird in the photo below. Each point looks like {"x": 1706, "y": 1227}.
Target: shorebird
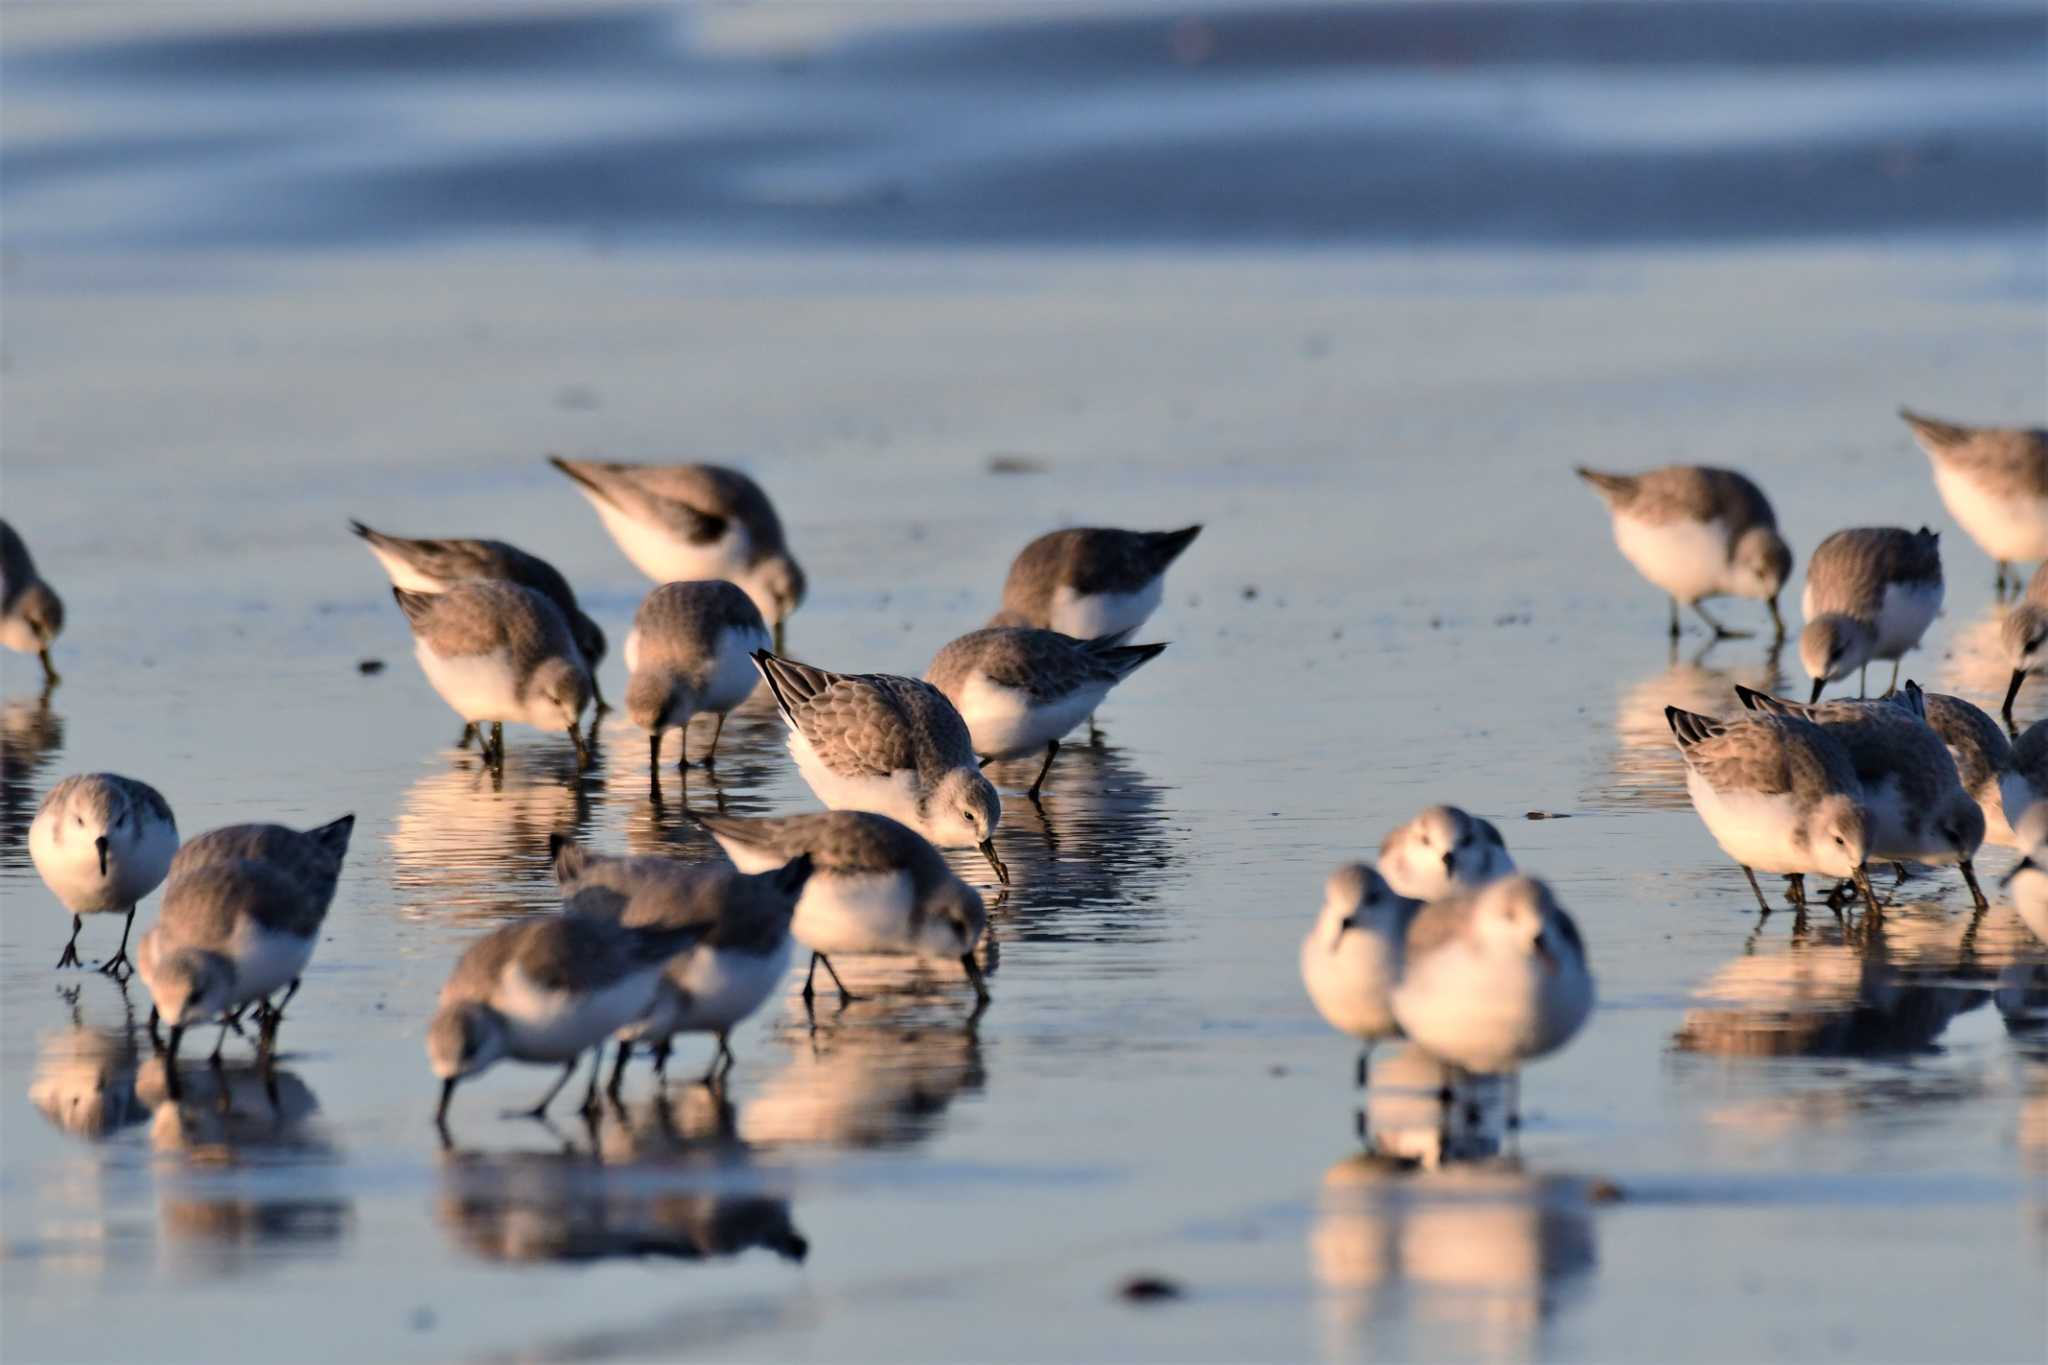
{"x": 1871, "y": 593}
{"x": 101, "y": 843}
{"x": 687, "y": 522}
{"x": 1090, "y": 581}
{"x": 1779, "y": 795}
{"x": 690, "y": 651}
{"x": 1443, "y": 851}
{"x": 496, "y": 652}
{"x": 876, "y": 886}
{"x": 1494, "y": 979}
{"x": 1913, "y": 797}
{"x": 31, "y": 613}
{"x": 895, "y": 746}
{"x": 437, "y": 565}
{"x": 1352, "y": 957}
{"x": 1021, "y": 690}
{"x": 1697, "y": 533}
{"x": 1994, "y": 482}
{"x": 1985, "y": 763}
{"x": 2024, "y": 634}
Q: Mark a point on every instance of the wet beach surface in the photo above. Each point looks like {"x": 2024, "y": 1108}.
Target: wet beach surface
{"x": 227, "y": 335}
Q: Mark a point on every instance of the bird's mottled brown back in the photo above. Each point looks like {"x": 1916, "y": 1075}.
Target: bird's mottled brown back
{"x": 1851, "y": 569}
{"x": 1086, "y": 559}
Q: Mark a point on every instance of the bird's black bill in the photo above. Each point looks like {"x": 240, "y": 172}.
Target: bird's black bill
{"x": 2012, "y": 691}
{"x": 988, "y": 851}
{"x": 1819, "y": 685}
{"x": 441, "y": 1110}
{"x": 973, "y": 970}
{"x": 101, "y": 844}
{"x": 582, "y": 749}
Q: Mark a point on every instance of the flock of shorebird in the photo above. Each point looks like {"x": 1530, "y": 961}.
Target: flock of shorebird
{"x": 1442, "y": 942}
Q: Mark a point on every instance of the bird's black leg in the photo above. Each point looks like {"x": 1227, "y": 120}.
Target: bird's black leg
{"x": 1758, "y": 889}
{"x": 844, "y": 994}
{"x": 1721, "y": 632}
{"x": 469, "y": 732}
{"x": 118, "y": 963}
{"x": 589, "y": 1107}
{"x": 1052, "y": 751}
{"x": 710, "y": 759}
{"x": 1795, "y": 889}
{"x": 619, "y": 1070}
{"x": 540, "y": 1111}
{"x": 70, "y": 957}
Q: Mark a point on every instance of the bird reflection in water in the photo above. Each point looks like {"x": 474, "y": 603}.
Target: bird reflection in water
{"x": 751, "y": 756}
{"x": 1470, "y": 1261}
{"x": 1423, "y": 1112}
{"x": 1891, "y": 986}
{"x": 879, "y": 1072}
{"x": 668, "y": 1178}
{"x": 31, "y": 737}
{"x": 465, "y": 843}
{"x": 84, "y": 1081}
{"x": 245, "y": 1160}
{"x": 1645, "y": 768}
{"x": 1092, "y": 858}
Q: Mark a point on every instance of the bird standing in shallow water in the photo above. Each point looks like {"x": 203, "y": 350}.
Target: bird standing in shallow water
{"x": 101, "y": 843}
{"x": 691, "y": 650}
{"x": 1698, "y": 532}
{"x": 1352, "y": 958}
{"x": 31, "y": 613}
{"x": 1090, "y": 581}
{"x": 1994, "y": 482}
{"x": 1871, "y": 592}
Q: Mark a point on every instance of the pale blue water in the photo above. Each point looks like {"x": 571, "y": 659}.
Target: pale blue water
{"x": 1353, "y": 288}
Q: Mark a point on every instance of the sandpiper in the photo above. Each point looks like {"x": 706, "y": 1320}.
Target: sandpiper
{"x": 1984, "y": 761}
{"x": 1778, "y": 794}
{"x": 1871, "y": 593}
{"x": 436, "y": 565}
{"x": 31, "y": 613}
{"x": 1994, "y": 482}
{"x": 546, "y": 990}
{"x": 1494, "y": 979}
{"x": 1912, "y": 795}
{"x": 1021, "y": 690}
{"x": 1352, "y": 957}
{"x": 895, "y": 746}
{"x": 686, "y": 522}
{"x": 241, "y": 915}
{"x": 2024, "y": 634}
{"x": 101, "y": 843}
{"x": 496, "y": 651}
{"x": 1090, "y": 581}
{"x": 1697, "y": 533}
{"x": 738, "y": 959}
{"x": 876, "y": 886}
{"x": 691, "y": 651}
{"x": 1442, "y": 851}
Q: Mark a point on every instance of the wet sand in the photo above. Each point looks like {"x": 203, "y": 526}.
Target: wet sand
{"x": 1401, "y": 596}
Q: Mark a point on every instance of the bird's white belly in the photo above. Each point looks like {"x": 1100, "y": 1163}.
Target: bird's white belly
{"x": 1087, "y": 615}
{"x": 479, "y": 687}
{"x": 894, "y": 796}
{"x": 1885, "y": 809}
{"x": 1903, "y": 617}
{"x": 2029, "y": 890}
{"x": 1488, "y": 1014}
{"x": 1753, "y": 829}
{"x": 2015, "y": 795}
{"x": 734, "y": 677}
{"x": 1004, "y": 722}
{"x": 265, "y": 960}
{"x": 722, "y": 986}
{"x": 855, "y": 912}
{"x": 557, "y": 1025}
{"x": 1688, "y": 559}
{"x": 2007, "y": 528}
{"x": 666, "y": 557}
{"x": 1350, "y": 983}
{"x": 16, "y": 634}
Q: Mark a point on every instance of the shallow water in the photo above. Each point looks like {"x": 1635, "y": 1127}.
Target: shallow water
{"x": 1820, "y": 1148}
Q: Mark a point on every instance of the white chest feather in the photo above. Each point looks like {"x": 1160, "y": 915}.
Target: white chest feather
{"x": 1350, "y": 977}
{"x": 479, "y": 686}
{"x": 667, "y": 557}
{"x": 733, "y": 675}
{"x": 544, "y": 1025}
{"x": 2004, "y": 527}
{"x": 69, "y": 862}
{"x": 720, "y": 987}
{"x": 1904, "y": 616}
{"x": 855, "y": 912}
{"x": 265, "y": 960}
{"x": 17, "y": 636}
{"x": 1686, "y": 558}
{"x": 1005, "y": 722}
{"x": 1491, "y": 1012}
{"x": 1753, "y": 829}
{"x": 894, "y": 795}
{"x": 1087, "y": 615}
